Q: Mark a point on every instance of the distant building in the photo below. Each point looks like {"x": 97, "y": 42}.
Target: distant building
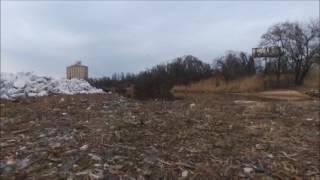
{"x": 78, "y": 71}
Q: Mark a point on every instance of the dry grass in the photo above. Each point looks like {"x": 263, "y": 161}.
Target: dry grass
{"x": 249, "y": 84}
{"x": 246, "y": 84}
{"x": 217, "y": 84}
{"x": 312, "y": 80}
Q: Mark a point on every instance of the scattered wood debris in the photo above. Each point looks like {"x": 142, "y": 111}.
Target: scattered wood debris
{"x": 105, "y": 136}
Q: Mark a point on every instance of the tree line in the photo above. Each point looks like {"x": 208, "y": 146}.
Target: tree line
{"x": 159, "y": 80}
{"x": 299, "y": 45}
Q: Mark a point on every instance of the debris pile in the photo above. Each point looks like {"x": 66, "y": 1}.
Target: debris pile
{"x": 106, "y": 136}
{"x": 29, "y": 85}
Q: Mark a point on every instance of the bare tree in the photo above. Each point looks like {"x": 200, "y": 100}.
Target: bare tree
{"x": 235, "y": 65}
{"x": 299, "y": 43}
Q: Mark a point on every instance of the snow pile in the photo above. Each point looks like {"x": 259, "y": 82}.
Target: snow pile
{"x": 28, "y": 84}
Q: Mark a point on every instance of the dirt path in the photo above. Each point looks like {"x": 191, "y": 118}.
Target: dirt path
{"x": 201, "y": 136}
{"x": 284, "y": 95}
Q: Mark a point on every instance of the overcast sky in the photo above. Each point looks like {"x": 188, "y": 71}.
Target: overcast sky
{"x": 129, "y": 36}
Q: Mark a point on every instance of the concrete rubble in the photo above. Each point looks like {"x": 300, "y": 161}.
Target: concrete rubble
{"x": 27, "y": 84}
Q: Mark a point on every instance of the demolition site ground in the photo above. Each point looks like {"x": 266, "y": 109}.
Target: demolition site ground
{"x": 200, "y": 136}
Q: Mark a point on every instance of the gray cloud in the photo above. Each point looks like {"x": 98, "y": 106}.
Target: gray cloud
{"x": 125, "y": 36}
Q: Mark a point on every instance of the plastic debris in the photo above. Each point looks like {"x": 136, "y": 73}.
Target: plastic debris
{"x": 184, "y": 173}
{"x": 84, "y": 147}
{"x": 247, "y": 170}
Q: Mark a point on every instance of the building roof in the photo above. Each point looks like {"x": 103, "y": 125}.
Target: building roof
{"x": 78, "y": 63}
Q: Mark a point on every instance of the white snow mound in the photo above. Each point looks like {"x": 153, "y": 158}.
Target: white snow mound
{"x": 26, "y": 84}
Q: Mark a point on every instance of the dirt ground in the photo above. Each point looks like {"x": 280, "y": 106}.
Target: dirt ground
{"x": 105, "y": 136}
{"x": 286, "y": 95}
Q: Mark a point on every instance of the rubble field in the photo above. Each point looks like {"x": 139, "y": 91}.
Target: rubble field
{"x": 201, "y": 136}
